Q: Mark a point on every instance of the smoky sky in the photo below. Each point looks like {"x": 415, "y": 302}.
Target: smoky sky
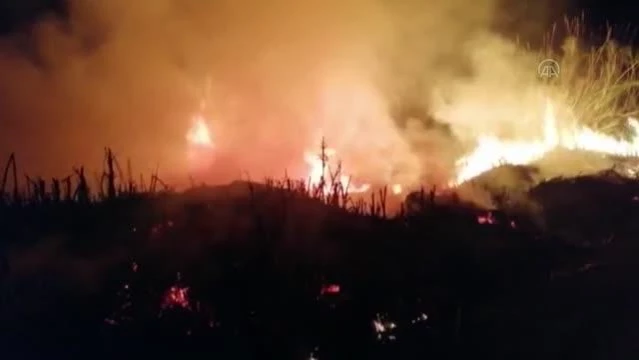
{"x": 76, "y": 76}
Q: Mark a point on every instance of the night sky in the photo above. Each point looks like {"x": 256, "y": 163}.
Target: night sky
{"x": 15, "y": 15}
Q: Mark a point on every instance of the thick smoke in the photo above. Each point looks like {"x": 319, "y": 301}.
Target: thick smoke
{"x": 371, "y": 76}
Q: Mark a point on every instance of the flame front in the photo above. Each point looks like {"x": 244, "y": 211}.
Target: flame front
{"x": 492, "y": 152}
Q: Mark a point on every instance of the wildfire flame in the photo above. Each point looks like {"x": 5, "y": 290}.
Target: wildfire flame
{"x": 492, "y": 152}
{"x": 321, "y": 169}
{"x": 199, "y": 134}
{"x": 200, "y": 151}
{"x": 320, "y": 172}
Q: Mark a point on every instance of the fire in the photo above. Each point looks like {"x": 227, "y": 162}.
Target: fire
{"x": 326, "y": 168}
{"x": 321, "y": 172}
{"x": 325, "y": 172}
{"x": 330, "y": 289}
{"x": 200, "y": 150}
{"x": 492, "y": 152}
{"x": 176, "y": 297}
{"x": 199, "y": 135}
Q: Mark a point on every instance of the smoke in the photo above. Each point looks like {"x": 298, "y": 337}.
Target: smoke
{"x": 373, "y": 77}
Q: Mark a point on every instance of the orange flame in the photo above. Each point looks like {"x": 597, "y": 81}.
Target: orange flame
{"x": 492, "y": 152}
{"x": 320, "y": 172}
{"x": 489, "y": 153}
{"x": 199, "y": 134}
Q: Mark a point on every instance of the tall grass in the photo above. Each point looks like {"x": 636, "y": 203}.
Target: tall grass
{"x": 599, "y": 79}
{"x": 111, "y": 184}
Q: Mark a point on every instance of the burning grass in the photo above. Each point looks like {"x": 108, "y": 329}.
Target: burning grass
{"x": 589, "y": 106}
{"x": 311, "y": 267}
{"x": 598, "y": 83}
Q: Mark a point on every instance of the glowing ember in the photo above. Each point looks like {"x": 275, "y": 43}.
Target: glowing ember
{"x": 384, "y": 328}
{"x": 486, "y": 219}
{"x": 421, "y": 318}
{"x": 331, "y": 289}
{"x": 176, "y": 297}
{"x": 492, "y": 152}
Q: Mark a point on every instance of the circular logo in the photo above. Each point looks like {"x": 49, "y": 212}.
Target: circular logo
{"x": 548, "y": 69}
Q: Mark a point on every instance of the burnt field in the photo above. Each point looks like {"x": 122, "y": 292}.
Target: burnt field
{"x": 254, "y": 271}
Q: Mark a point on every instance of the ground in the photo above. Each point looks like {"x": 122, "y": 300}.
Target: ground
{"x": 241, "y": 272}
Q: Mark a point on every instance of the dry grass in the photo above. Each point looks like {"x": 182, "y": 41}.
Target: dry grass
{"x": 599, "y": 81}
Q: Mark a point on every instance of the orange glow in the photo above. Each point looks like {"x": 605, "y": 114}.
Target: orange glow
{"x": 199, "y": 134}
{"x": 489, "y": 153}
{"x": 330, "y": 289}
{"x": 492, "y": 152}
{"x": 176, "y": 297}
{"x": 323, "y": 171}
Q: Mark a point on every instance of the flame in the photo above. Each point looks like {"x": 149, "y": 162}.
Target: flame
{"x": 321, "y": 171}
{"x": 200, "y": 146}
{"x": 492, "y": 152}
{"x": 199, "y": 134}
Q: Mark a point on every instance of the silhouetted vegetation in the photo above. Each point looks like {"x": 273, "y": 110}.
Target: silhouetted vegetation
{"x": 282, "y": 269}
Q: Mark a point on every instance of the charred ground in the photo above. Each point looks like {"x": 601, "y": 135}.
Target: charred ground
{"x": 269, "y": 270}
